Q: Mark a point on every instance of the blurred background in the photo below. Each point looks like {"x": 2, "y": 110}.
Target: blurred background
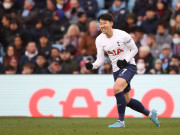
{"x": 58, "y": 36}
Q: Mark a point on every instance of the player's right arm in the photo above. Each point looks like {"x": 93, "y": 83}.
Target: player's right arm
{"x": 100, "y": 57}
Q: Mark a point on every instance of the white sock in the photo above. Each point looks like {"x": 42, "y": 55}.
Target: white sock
{"x": 150, "y": 114}
{"x": 121, "y": 121}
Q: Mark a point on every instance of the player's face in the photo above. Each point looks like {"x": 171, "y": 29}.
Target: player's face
{"x": 105, "y": 26}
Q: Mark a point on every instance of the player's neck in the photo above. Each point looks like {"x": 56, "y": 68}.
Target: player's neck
{"x": 110, "y": 33}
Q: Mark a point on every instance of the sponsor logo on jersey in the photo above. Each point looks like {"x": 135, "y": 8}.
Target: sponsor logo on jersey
{"x": 115, "y": 52}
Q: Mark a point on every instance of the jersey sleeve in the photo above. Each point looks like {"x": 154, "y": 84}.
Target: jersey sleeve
{"x": 100, "y": 55}
{"x": 129, "y": 42}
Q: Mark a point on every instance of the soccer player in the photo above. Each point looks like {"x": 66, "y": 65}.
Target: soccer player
{"x": 121, "y": 50}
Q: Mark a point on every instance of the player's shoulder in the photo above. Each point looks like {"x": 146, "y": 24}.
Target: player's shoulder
{"x": 100, "y": 38}
{"x": 121, "y": 32}
{"x": 126, "y": 38}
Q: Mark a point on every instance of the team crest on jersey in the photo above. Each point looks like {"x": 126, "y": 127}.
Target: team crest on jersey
{"x": 120, "y": 45}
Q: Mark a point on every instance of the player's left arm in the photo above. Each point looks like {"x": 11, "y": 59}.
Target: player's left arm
{"x": 129, "y": 42}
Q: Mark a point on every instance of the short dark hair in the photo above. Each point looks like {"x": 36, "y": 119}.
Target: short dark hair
{"x": 71, "y": 49}
{"x": 29, "y": 65}
{"x": 41, "y": 54}
{"x": 175, "y": 68}
{"x": 150, "y": 8}
{"x": 9, "y": 68}
{"x": 175, "y": 57}
{"x": 106, "y": 16}
{"x": 80, "y": 13}
{"x": 163, "y": 24}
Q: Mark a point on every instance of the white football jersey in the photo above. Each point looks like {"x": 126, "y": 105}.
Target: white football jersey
{"x": 119, "y": 47}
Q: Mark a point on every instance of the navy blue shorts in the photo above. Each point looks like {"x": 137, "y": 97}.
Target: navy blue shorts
{"x": 126, "y": 73}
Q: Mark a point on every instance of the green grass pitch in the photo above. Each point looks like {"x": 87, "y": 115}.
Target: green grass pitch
{"x": 86, "y": 126}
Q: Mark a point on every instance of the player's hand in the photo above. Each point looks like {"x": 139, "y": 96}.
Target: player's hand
{"x": 89, "y": 65}
{"x": 121, "y": 63}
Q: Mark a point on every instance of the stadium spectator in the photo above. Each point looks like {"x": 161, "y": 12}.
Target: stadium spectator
{"x": 9, "y": 70}
{"x": 63, "y": 4}
{"x": 163, "y": 35}
{"x": 5, "y": 21}
{"x": 37, "y": 30}
{"x": 83, "y": 69}
{"x": 41, "y": 4}
{"x": 14, "y": 63}
{"x": 47, "y": 15}
{"x": 28, "y": 68}
{"x": 134, "y": 37}
{"x": 177, "y": 6}
{"x": 44, "y": 46}
{"x": 157, "y": 68}
{"x": 154, "y": 48}
{"x": 144, "y": 53}
{"x": 55, "y": 67}
{"x": 90, "y": 7}
{"x": 108, "y": 4}
{"x": 141, "y": 67}
{"x": 176, "y": 44}
{"x": 5, "y": 30}
{"x": 83, "y": 22}
{"x": 130, "y": 24}
{"x": 14, "y": 30}
{"x": 175, "y": 23}
{"x": 29, "y": 15}
{"x": 163, "y": 11}
{"x": 58, "y": 27}
{"x": 87, "y": 45}
{"x": 150, "y": 23}
{"x": 74, "y": 55}
{"x": 9, "y": 54}
{"x": 72, "y": 36}
{"x": 71, "y": 14}
{"x": 7, "y": 7}
{"x": 140, "y": 10}
{"x": 119, "y": 11}
{"x": 106, "y": 68}
{"x": 30, "y": 54}
{"x": 19, "y": 46}
{"x": 165, "y": 56}
{"x": 69, "y": 65}
{"x": 43, "y": 17}
{"x": 41, "y": 64}
{"x": 175, "y": 61}
{"x": 141, "y": 36}
{"x": 54, "y": 53}
{"x": 172, "y": 70}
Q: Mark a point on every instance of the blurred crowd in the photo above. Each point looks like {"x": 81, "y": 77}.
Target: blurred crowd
{"x": 58, "y": 36}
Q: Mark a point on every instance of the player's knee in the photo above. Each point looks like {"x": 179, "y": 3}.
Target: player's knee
{"x": 127, "y": 100}
{"x": 117, "y": 89}
{"x": 119, "y": 86}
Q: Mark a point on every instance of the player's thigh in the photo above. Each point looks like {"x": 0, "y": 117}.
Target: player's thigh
{"x": 119, "y": 85}
{"x": 127, "y": 97}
